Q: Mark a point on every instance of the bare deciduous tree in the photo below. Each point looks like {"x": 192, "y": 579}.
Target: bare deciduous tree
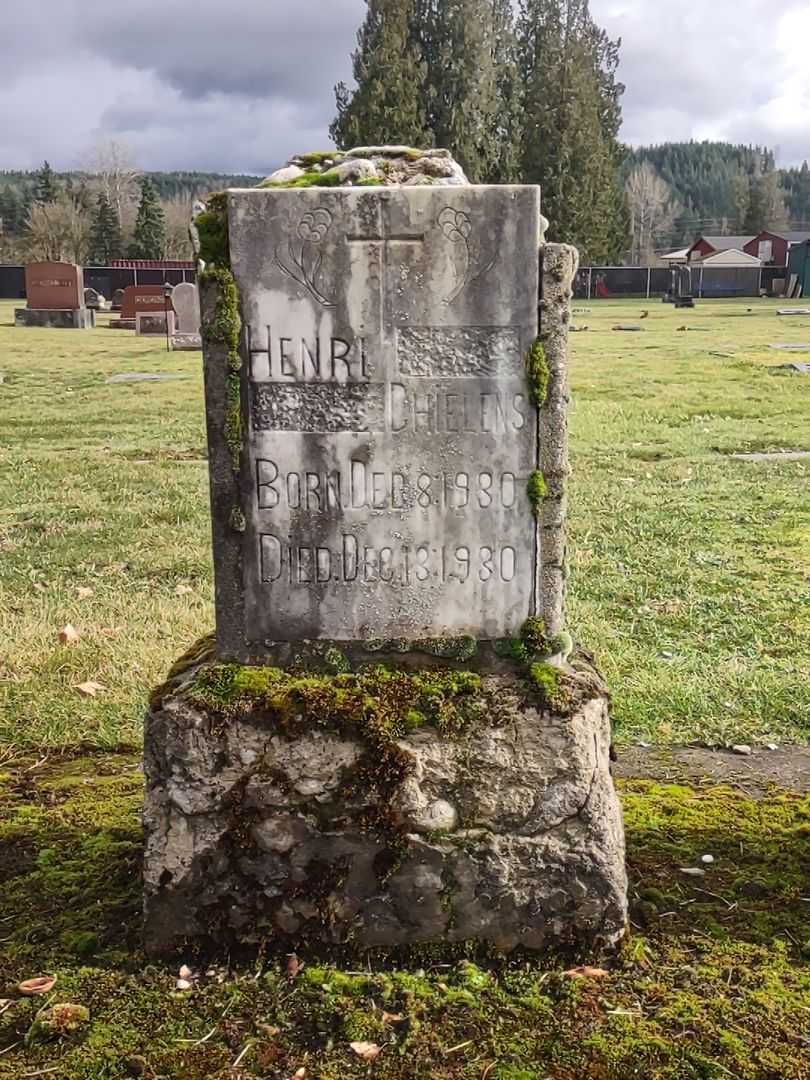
{"x": 111, "y": 164}
{"x": 653, "y": 208}
{"x": 58, "y": 231}
{"x": 177, "y": 212}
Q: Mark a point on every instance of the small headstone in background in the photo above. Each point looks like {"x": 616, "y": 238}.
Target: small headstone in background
{"x": 793, "y": 311}
{"x": 117, "y": 299}
{"x": 155, "y": 323}
{"x": 186, "y": 303}
{"x": 791, "y": 348}
{"x": 186, "y": 342}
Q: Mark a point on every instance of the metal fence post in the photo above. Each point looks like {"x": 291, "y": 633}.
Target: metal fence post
{"x": 700, "y": 285}
{"x": 590, "y": 282}
{"x": 649, "y": 280}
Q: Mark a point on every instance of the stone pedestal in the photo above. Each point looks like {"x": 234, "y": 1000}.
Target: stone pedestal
{"x": 381, "y": 811}
{"x": 56, "y": 318}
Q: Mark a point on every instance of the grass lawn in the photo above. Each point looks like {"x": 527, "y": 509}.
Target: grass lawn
{"x": 690, "y": 574}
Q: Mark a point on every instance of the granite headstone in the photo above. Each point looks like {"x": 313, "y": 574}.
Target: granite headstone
{"x": 55, "y": 297}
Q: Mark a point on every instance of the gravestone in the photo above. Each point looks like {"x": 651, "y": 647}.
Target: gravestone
{"x": 392, "y": 740}
{"x": 186, "y": 302}
{"x": 55, "y": 297}
{"x": 117, "y": 299}
{"x": 154, "y": 322}
{"x": 142, "y": 298}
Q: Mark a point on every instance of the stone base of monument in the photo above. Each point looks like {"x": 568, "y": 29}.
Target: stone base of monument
{"x": 123, "y": 324}
{"x": 381, "y": 810}
{"x": 59, "y": 318}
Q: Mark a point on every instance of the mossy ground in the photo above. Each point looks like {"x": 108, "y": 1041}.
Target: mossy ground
{"x": 714, "y": 981}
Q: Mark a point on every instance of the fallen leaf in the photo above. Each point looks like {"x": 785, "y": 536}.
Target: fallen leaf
{"x": 182, "y": 984}
{"x": 68, "y": 635}
{"x": 366, "y": 1051}
{"x": 84, "y": 592}
{"x": 586, "y": 973}
{"x": 90, "y": 688}
{"x": 693, "y": 871}
{"x": 300, "y": 1075}
{"x": 185, "y": 972}
{"x": 392, "y": 1018}
{"x": 34, "y": 987}
{"x": 183, "y": 590}
{"x": 268, "y": 1030}
{"x": 294, "y": 965}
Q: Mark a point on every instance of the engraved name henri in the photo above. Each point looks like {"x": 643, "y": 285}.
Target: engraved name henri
{"x": 352, "y": 563}
{"x": 359, "y": 487}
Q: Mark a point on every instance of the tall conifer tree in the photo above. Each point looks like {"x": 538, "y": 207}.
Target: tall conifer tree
{"x": 388, "y": 105}
{"x": 46, "y": 190}
{"x": 106, "y": 233}
{"x": 149, "y": 237}
{"x": 572, "y": 116}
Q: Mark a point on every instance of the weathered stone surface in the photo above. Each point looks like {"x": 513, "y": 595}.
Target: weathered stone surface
{"x": 389, "y": 430}
{"x": 389, "y": 166}
{"x": 508, "y": 834}
{"x": 69, "y": 319}
{"x": 186, "y": 304}
{"x": 289, "y": 172}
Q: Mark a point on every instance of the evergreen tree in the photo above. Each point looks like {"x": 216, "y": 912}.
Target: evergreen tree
{"x": 46, "y": 189}
{"x": 105, "y": 237}
{"x": 149, "y": 237}
{"x": 471, "y": 88}
{"x": 13, "y": 211}
{"x": 572, "y": 112}
{"x": 388, "y": 105}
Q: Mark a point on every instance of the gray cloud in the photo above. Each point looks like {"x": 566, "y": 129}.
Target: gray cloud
{"x": 237, "y": 85}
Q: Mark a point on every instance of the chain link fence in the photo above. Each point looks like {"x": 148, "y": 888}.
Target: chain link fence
{"x": 647, "y": 283}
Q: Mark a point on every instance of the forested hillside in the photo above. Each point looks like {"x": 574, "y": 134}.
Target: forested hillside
{"x": 718, "y": 187}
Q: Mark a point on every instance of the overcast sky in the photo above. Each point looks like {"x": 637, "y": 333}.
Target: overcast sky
{"x": 239, "y": 85}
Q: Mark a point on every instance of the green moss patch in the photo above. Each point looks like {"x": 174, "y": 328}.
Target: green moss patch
{"x": 538, "y": 371}
{"x": 713, "y": 982}
{"x": 538, "y": 490}
{"x": 224, "y": 329}
{"x": 379, "y": 704}
{"x": 212, "y": 226}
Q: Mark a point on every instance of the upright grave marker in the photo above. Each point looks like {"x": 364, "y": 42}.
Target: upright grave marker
{"x": 415, "y": 752}
{"x": 389, "y": 429}
{"x": 55, "y": 297}
{"x": 186, "y": 302}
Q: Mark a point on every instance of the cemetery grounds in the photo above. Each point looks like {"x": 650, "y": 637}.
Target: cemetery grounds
{"x": 690, "y": 582}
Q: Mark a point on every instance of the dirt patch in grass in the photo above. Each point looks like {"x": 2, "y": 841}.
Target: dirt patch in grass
{"x": 787, "y": 768}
